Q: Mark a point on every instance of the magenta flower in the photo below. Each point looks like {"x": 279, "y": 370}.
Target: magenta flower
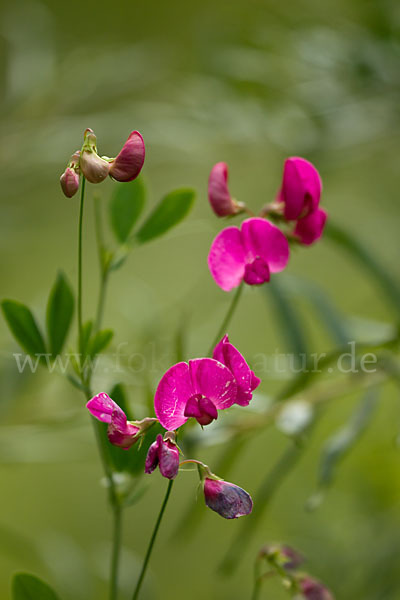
{"x": 248, "y": 254}
{"x": 220, "y": 199}
{"x": 196, "y": 389}
{"x": 301, "y": 188}
{"x": 314, "y": 590}
{"x": 163, "y": 453}
{"x": 227, "y": 499}
{"x": 69, "y": 180}
{"x": 129, "y": 162}
{"x": 309, "y": 229}
{"x": 246, "y": 380}
{"x": 121, "y": 432}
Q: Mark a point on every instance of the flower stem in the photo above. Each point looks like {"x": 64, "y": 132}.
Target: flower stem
{"x": 80, "y": 224}
{"x": 228, "y": 317}
{"x": 257, "y": 581}
{"x": 152, "y": 540}
{"x": 117, "y": 530}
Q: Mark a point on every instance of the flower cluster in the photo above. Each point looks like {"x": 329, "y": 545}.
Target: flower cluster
{"x": 259, "y": 248}
{"x": 125, "y": 167}
{"x": 198, "y": 389}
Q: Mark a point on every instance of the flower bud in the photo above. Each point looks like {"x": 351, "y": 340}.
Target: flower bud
{"x": 314, "y": 590}
{"x": 309, "y": 229}
{"x": 129, "y": 162}
{"x": 227, "y": 499}
{"x": 163, "y": 453}
{"x": 94, "y": 168}
{"x": 301, "y": 188}
{"x": 283, "y": 556}
{"x": 219, "y": 197}
{"x": 69, "y": 180}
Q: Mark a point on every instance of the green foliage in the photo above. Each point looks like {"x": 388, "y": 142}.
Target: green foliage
{"x": 85, "y": 339}
{"x": 126, "y": 206}
{"x": 60, "y": 309}
{"x": 29, "y": 587}
{"x": 23, "y": 326}
{"x": 172, "y": 209}
{"x": 100, "y": 341}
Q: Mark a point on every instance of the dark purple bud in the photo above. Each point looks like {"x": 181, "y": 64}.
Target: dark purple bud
{"x": 163, "y": 453}
{"x": 227, "y": 499}
{"x": 314, "y": 590}
{"x": 129, "y": 162}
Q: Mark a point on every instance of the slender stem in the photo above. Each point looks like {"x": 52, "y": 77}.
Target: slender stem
{"x": 102, "y": 300}
{"x": 80, "y": 224}
{"x": 103, "y": 265}
{"x": 152, "y": 540}
{"x": 257, "y": 581}
{"x": 228, "y": 317}
{"x": 117, "y": 529}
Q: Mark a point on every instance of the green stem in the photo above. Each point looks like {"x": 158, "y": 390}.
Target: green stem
{"x": 80, "y": 224}
{"x": 117, "y": 530}
{"x": 152, "y": 540}
{"x": 257, "y": 581}
{"x": 228, "y": 317}
{"x": 102, "y": 300}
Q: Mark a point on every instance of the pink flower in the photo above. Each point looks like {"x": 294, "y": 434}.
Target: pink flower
{"x": 94, "y": 168}
{"x": 309, "y": 229}
{"x": 250, "y": 254}
{"x": 227, "y": 499}
{"x": 220, "y": 199}
{"x": 245, "y": 379}
{"x": 301, "y": 188}
{"x": 163, "y": 453}
{"x": 121, "y": 432}
{"x": 314, "y": 590}
{"x": 129, "y": 162}
{"x": 198, "y": 389}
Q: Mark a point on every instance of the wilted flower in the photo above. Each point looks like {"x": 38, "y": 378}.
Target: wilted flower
{"x": 314, "y": 590}
{"x": 220, "y": 199}
{"x": 196, "y": 389}
{"x": 301, "y": 188}
{"x": 70, "y": 178}
{"x": 250, "y": 254}
{"x": 246, "y": 381}
{"x": 227, "y": 499}
{"x": 282, "y": 556}
{"x": 121, "y": 432}
{"x": 163, "y": 453}
{"x": 309, "y": 229}
{"x": 94, "y": 168}
{"x": 129, "y": 162}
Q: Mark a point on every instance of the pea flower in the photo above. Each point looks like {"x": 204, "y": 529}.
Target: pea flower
{"x": 314, "y": 590}
{"x": 309, "y": 229}
{"x": 121, "y": 432}
{"x": 227, "y": 499}
{"x": 196, "y": 389}
{"x": 249, "y": 254}
{"x": 94, "y": 168}
{"x": 69, "y": 180}
{"x": 129, "y": 162}
{"x": 246, "y": 380}
{"x": 219, "y": 197}
{"x": 163, "y": 453}
{"x": 301, "y": 188}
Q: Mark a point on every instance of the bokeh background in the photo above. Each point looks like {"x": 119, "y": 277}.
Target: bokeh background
{"x": 249, "y": 82}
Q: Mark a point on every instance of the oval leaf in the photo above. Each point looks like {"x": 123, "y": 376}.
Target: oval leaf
{"x": 126, "y": 206}
{"x": 60, "y": 308}
{"x": 169, "y": 212}
{"x": 29, "y": 587}
{"x": 100, "y": 341}
{"x": 23, "y": 326}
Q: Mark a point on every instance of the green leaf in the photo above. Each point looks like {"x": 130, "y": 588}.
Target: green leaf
{"x": 23, "y": 326}
{"x": 86, "y": 333}
{"x": 126, "y": 206}
{"x": 169, "y": 212}
{"x": 29, "y": 587}
{"x": 100, "y": 341}
{"x": 60, "y": 308}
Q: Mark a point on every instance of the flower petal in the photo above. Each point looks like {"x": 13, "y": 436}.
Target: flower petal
{"x": 262, "y": 238}
{"x": 169, "y": 459}
{"x": 102, "y": 407}
{"x": 227, "y": 499}
{"x": 129, "y": 162}
{"x": 245, "y": 379}
{"x": 301, "y": 187}
{"x": 152, "y": 458}
{"x": 218, "y": 192}
{"x": 213, "y": 380}
{"x": 226, "y": 259}
{"x": 310, "y": 228}
{"x": 173, "y": 392}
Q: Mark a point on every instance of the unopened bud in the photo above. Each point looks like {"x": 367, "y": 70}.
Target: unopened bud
{"x": 163, "y": 453}
{"x": 69, "y": 180}
{"x": 219, "y": 197}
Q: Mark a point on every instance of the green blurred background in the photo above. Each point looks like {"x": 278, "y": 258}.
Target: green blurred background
{"x": 247, "y": 82}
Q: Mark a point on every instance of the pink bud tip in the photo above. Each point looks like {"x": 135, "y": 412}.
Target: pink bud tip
{"x": 227, "y": 499}
{"x": 301, "y": 188}
{"x": 219, "y": 197}
{"x": 309, "y": 229}
{"x": 129, "y": 162}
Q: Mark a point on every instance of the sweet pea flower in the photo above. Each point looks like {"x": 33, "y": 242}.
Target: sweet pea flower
{"x": 309, "y": 229}
{"x": 246, "y": 381}
{"x": 69, "y": 180}
{"x": 219, "y": 197}
{"x": 301, "y": 188}
{"x": 314, "y": 590}
{"x": 129, "y": 162}
{"x": 196, "y": 389}
{"x": 249, "y": 254}
{"x": 94, "y": 168}
{"x": 163, "y": 453}
{"x": 121, "y": 432}
{"x": 227, "y": 499}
